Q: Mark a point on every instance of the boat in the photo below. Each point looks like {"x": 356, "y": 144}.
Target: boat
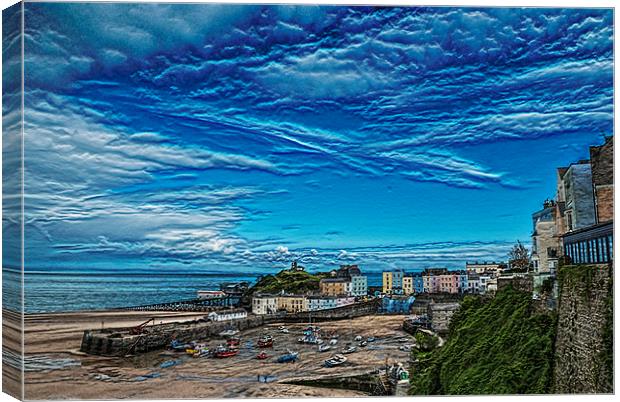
{"x": 283, "y": 330}
{"x": 333, "y": 342}
{"x": 202, "y": 352}
{"x": 265, "y": 341}
{"x": 324, "y": 348}
{"x": 363, "y": 344}
{"x": 350, "y": 349}
{"x": 233, "y": 341}
{"x": 371, "y": 339}
{"x": 288, "y": 357}
{"x": 405, "y": 348}
{"x": 179, "y": 346}
{"x": 228, "y": 333}
{"x": 223, "y": 352}
{"x": 335, "y": 361}
{"x": 358, "y": 338}
{"x": 262, "y": 356}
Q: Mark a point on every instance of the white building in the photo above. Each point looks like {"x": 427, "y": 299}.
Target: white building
{"x": 344, "y": 301}
{"x": 359, "y": 285}
{"x": 264, "y": 304}
{"x": 227, "y": 315}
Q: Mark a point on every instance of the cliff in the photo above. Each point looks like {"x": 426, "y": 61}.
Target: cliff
{"x": 502, "y": 345}
{"x": 584, "y": 341}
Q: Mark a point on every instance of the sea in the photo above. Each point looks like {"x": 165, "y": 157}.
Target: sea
{"x": 86, "y": 290}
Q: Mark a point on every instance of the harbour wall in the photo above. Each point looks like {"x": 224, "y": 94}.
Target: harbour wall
{"x": 121, "y": 342}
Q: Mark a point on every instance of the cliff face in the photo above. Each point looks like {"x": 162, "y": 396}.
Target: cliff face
{"x": 584, "y": 338}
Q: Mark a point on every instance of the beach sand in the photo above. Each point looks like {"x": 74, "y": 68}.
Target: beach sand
{"x": 56, "y": 369}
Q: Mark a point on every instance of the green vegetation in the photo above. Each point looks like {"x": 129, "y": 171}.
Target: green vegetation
{"x": 495, "y": 346}
{"x": 289, "y": 282}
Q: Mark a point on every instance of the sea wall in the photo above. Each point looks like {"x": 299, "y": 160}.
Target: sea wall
{"x": 120, "y": 342}
{"x": 584, "y": 339}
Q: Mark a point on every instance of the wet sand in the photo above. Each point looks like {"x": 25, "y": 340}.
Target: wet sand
{"x": 57, "y": 370}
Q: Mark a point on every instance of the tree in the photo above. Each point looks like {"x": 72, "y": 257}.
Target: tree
{"x": 518, "y": 258}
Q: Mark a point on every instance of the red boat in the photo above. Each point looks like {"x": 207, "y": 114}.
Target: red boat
{"x": 265, "y": 342}
{"x": 222, "y": 352}
{"x": 262, "y": 356}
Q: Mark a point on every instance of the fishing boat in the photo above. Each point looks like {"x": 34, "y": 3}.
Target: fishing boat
{"x": 363, "y": 344}
{"x": 223, "y": 352}
{"x": 262, "y": 356}
{"x": 335, "y": 361}
{"x": 371, "y": 339}
{"x": 283, "y": 330}
{"x": 265, "y": 341}
{"x": 288, "y": 357}
{"x": 333, "y": 342}
{"x": 324, "y": 348}
{"x": 228, "y": 333}
{"x": 350, "y": 349}
{"x": 358, "y": 338}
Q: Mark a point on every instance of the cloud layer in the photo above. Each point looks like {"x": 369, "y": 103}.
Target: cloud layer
{"x": 165, "y": 134}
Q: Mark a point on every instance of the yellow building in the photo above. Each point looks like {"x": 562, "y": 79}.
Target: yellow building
{"x": 407, "y": 285}
{"x": 335, "y": 286}
{"x": 388, "y": 282}
{"x": 292, "y": 303}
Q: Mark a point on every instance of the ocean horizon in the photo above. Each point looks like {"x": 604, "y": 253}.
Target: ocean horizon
{"x": 81, "y": 290}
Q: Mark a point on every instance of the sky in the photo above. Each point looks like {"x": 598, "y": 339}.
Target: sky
{"x": 237, "y": 138}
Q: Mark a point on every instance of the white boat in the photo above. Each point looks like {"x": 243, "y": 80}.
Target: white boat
{"x": 363, "y": 344}
{"x": 350, "y": 349}
{"x": 333, "y": 342}
{"x": 335, "y": 361}
{"x": 324, "y": 348}
{"x": 228, "y": 332}
{"x": 358, "y": 338}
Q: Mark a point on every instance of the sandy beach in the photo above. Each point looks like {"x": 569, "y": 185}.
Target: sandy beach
{"x": 56, "y": 369}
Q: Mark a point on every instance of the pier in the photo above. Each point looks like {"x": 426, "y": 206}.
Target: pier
{"x": 206, "y": 304}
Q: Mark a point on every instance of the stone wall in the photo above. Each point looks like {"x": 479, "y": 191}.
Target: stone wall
{"x": 120, "y": 342}
{"x": 584, "y": 339}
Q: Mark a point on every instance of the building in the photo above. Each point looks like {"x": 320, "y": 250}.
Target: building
{"x": 359, "y": 285}
{"x": 588, "y": 238}
{"x": 321, "y": 302}
{"x": 485, "y": 279}
{"x": 296, "y": 267}
{"x": 448, "y": 283}
{"x": 292, "y": 303}
{"x": 473, "y": 283}
{"x": 418, "y": 283}
{"x": 602, "y": 163}
{"x": 264, "y": 304}
{"x": 210, "y": 294}
{"x": 227, "y": 315}
{"x": 463, "y": 281}
{"x": 440, "y": 315}
{"x": 344, "y": 301}
{"x": 545, "y": 242}
{"x": 578, "y": 197}
{"x": 407, "y": 285}
{"x": 393, "y": 282}
{"x": 335, "y": 286}
{"x": 480, "y": 267}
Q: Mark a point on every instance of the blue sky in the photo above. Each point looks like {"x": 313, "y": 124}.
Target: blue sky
{"x": 221, "y": 137}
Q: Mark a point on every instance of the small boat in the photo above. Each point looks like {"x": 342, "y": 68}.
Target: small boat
{"x": 333, "y": 342}
{"x": 223, "y": 352}
{"x": 283, "y": 330}
{"x": 335, "y": 336}
{"x": 371, "y": 339}
{"x": 228, "y": 332}
{"x": 288, "y": 358}
{"x": 335, "y": 361}
{"x": 202, "y": 352}
{"x": 179, "y": 346}
{"x": 358, "y": 338}
{"x": 233, "y": 342}
{"x": 324, "y": 348}
{"x": 405, "y": 348}
{"x": 363, "y": 344}
{"x": 350, "y": 349}
{"x": 262, "y": 356}
{"x": 403, "y": 340}
{"x": 265, "y": 341}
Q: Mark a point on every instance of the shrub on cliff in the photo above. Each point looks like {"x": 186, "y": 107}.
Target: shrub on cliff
{"x": 495, "y": 346}
{"x": 288, "y": 282}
